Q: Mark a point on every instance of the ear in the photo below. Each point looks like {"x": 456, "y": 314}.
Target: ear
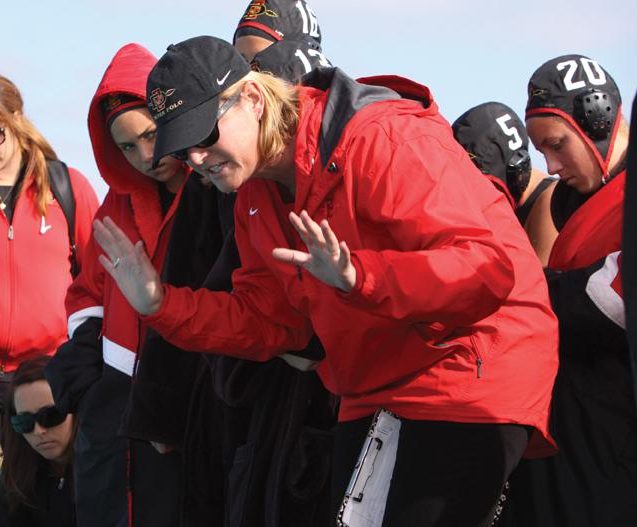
{"x": 255, "y": 97}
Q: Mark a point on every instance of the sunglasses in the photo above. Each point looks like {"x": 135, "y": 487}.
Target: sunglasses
{"x": 182, "y": 155}
{"x": 46, "y": 417}
{"x": 2, "y": 135}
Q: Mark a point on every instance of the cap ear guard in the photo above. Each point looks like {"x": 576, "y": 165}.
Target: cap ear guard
{"x": 595, "y": 112}
{"x": 518, "y": 173}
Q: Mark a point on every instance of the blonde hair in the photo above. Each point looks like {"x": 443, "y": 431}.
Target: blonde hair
{"x": 35, "y": 149}
{"x": 280, "y": 113}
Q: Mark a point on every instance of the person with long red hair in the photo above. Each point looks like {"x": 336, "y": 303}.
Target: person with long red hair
{"x": 38, "y": 254}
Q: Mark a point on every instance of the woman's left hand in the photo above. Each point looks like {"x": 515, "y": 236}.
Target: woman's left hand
{"x": 328, "y": 259}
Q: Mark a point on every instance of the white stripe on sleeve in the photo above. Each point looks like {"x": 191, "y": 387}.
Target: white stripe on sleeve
{"x": 600, "y": 291}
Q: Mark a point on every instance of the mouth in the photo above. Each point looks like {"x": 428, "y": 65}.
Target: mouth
{"x": 216, "y": 169}
{"x": 158, "y": 168}
{"x": 46, "y": 444}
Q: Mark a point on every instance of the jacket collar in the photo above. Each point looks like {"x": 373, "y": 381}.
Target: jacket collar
{"x": 329, "y": 100}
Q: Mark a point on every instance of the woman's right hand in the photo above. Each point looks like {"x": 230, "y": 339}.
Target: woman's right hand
{"x": 129, "y": 266}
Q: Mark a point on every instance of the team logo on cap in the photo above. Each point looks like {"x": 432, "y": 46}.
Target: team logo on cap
{"x": 537, "y": 94}
{"x": 258, "y": 8}
{"x": 158, "y": 98}
{"x": 111, "y": 102}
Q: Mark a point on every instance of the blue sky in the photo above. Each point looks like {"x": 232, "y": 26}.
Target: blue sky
{"x": 467, "y": 52}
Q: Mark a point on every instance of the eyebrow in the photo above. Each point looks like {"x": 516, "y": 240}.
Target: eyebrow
{"x": 551, "y": 139}
{"x": 139, "y": 136}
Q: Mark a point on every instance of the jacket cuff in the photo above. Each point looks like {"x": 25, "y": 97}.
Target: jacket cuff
{"x": 366, "y": 280}
{"x": 161, "y": 315}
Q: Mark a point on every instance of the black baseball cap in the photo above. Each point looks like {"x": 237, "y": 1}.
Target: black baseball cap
{"x": 277, "y": 20}
{"x": 182, "y": 92}
{"x": 491, "y": 133}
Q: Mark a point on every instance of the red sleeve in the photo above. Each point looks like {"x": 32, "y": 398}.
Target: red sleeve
{"x": 86, "y": 204}
{"x": 84, "y": 298}
{"x": 254, "y": 321}
{"x": 448, "y": 265}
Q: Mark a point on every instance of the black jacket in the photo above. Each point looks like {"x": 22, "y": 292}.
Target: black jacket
{"x": 54, "y": 508}
{"x": 629, "y": 248}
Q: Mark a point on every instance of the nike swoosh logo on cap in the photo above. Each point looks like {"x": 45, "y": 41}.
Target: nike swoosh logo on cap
{"x": 252, "y": 211}
{"x": 223, "y": 79}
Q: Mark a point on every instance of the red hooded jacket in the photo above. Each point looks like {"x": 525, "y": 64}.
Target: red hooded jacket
{"x": 450, "y": 317}
{"x": 35, "y": 271}
{"x": 133, "y": 203}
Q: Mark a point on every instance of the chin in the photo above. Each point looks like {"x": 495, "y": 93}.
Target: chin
{"x": 51, "y": 454}
{"x": 586, "y": 187}
{"x": 225, "y": 183}
{"x": 225, "y": 187}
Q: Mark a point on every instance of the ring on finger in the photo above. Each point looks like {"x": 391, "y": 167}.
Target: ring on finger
{"x": 116, "y": 262}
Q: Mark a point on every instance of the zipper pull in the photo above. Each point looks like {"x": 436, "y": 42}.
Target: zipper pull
{"x": 479, "y": 364}
{"x": 10, "y": 236}
{"x": 61, "y": 483}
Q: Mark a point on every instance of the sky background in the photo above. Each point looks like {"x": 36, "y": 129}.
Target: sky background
{"x": 467, "y": 52}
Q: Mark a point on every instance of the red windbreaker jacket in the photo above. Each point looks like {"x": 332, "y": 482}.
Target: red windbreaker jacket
{"x": 133, "y": 203}
{"x": 450, "y": 316}
{"x": 35, "y": 271}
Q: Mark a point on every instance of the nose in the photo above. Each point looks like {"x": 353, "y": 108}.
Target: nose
{"x": 553, "y": 165}
{"x": 197, "y": 156}
{"x": 146, "y": 153}
{"x": 38, "y": 430}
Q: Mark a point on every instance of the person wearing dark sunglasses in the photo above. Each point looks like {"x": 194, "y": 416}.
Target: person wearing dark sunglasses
{"x": 35, "y": 484}
{"x": 344, "y": 189}
{"x": 256, "y": 400}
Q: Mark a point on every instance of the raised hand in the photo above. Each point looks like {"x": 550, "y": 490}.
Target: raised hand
{"x": 129, "y": 266}
{"x": 328, "y": 259}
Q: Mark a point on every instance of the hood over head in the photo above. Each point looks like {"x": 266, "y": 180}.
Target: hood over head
{"x": 124, "y": 80}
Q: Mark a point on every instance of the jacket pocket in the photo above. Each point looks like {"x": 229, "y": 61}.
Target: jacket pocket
{"x": 309, "y": 469}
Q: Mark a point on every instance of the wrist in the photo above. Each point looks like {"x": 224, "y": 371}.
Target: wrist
{"x": 348, "y": 280}
{"x": 156, "y": 301}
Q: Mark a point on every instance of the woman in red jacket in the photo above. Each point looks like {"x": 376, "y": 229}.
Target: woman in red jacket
{"x": 35, "y": 246}
{"x": 121, "y": 479}
{"x": 416, "y": 275}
